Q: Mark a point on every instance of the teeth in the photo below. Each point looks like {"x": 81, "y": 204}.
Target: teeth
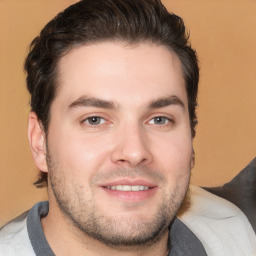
{"x": 128, "y": 188}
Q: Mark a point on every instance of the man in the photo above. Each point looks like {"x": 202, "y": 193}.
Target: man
{"x": 113, "y": 89}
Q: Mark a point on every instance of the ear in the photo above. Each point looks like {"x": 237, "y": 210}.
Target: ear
{"x": 192, "y": 163}
{"x": 37, "y": 142}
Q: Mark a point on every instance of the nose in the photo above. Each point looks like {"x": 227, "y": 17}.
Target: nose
{"x": 132, "y": 148}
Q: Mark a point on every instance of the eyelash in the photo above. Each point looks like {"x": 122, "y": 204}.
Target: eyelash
{"x": 87, "y": 121}
{"x": 102, "y": 121}
{"x": 169, "y": 120}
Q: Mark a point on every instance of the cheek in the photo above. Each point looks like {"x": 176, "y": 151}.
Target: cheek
{"x": 174, "y": 154}
{"x": 78, "y": 154}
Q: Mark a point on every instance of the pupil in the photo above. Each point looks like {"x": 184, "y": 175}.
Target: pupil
{"x": 159, "y": 120}
{"x": 94, "y": 120}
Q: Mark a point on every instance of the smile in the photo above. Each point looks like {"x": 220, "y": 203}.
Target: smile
{"x": 128, "y": 188}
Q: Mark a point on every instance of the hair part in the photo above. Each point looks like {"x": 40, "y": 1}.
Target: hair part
{"x": 91, "y": 21}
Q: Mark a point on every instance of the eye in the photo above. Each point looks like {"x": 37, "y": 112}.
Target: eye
{"x": 160, "y": 120}
{"x": 94, "y": 120}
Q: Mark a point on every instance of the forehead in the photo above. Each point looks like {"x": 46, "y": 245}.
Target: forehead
{"x": 115, "y": 71}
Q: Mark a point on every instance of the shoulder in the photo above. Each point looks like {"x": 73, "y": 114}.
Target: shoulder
{"x": 221, "y": 226}
{"x": 14, "y": 238}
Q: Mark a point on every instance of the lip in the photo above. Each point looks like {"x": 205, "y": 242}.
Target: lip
{"x": 129, "y": 182}
{"x": 130, "y": 196}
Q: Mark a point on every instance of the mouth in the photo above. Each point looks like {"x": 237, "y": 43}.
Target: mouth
{"x": 130, "y": 190}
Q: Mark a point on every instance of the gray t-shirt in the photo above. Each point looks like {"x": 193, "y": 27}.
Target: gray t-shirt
{"x": 24, "y": 236}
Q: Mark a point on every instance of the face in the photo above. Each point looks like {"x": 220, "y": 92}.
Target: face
{"x": 119, "y": 146}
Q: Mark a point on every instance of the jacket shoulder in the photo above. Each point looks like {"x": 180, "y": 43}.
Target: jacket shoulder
{"x": 14, "y": 238}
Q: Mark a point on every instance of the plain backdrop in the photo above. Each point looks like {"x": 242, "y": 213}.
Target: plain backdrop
{"x": 224, "y": 35}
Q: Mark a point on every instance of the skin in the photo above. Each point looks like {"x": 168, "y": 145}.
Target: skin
{"x": 120, "y": 117}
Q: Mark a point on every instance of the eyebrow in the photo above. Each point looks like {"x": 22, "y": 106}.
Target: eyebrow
{"x": 166, "y": 101}
{"x": 100, "y": 103}
{"x": 92, "y": 102}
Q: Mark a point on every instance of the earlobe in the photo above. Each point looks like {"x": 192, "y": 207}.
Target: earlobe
{"x": 37, "y": 142}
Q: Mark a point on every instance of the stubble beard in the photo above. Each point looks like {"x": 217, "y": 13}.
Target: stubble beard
{"x": 117, "y": 232}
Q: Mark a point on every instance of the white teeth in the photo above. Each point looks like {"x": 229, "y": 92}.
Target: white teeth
{"x": 136, "y": 188}
{"x": 128, "y": 188}
{"x": 143, "y": 188}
